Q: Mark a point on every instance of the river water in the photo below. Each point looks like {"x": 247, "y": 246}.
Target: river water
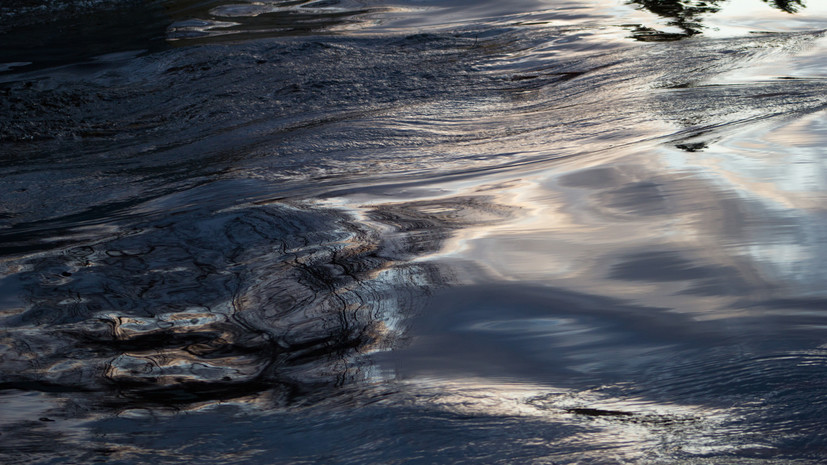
{"x": 413, "y": 232}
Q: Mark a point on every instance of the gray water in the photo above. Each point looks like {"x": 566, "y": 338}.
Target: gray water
{"x": 413, "y": 232}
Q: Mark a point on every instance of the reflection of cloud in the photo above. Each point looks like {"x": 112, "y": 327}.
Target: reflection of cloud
{"x": 776, "y": 176}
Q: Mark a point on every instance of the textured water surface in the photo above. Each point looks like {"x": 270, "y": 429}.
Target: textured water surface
{"x": 413, "y": 232}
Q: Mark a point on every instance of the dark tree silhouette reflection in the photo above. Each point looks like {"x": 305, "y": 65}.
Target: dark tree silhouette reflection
{"x": 687, "y": 15}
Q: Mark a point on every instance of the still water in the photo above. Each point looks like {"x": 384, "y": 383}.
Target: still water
{"x": 413, "y": 232}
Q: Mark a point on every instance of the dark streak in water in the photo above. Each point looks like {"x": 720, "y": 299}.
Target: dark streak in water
{"x": 594, "y": 412}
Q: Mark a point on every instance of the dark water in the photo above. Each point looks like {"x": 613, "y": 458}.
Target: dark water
{"x": 353, "y": 232}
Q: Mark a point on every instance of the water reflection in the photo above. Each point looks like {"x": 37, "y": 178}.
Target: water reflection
{"x": 688, "y": 16}
{"x": 248, "y": 20}
{"x": 526, "y": 241}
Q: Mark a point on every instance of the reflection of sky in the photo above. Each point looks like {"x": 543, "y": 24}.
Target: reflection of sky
{"x": 735, "y": 17}
{"x": 740, "y": 16}
{"x": 782, "y": 168}
{"x": 780, "y": 165}
{"x": 745, "y": 213}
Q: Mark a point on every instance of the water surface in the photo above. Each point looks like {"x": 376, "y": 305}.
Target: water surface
{"x": 413, "y": 232}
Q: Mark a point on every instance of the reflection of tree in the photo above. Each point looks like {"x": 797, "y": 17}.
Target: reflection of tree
{"x": 790, "y": 6}
{"x": 686, "y": 14}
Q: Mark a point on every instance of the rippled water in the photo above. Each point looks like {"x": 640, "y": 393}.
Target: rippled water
{"x": 413, "y": 232}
